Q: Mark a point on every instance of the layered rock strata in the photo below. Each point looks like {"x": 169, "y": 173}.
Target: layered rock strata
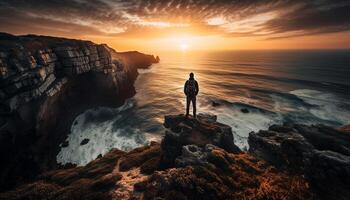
{"x": 45, "y": 83}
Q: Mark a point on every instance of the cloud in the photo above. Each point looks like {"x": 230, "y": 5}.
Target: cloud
{"x": 231, "y": 18}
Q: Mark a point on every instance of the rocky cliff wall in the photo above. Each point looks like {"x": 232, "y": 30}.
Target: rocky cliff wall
{"x": 45, "y": 82}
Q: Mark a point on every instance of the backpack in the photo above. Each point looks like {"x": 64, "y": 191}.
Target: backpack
{"x": 191, "y": 87}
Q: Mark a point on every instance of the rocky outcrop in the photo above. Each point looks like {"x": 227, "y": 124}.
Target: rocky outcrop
{"x": 184, "y": 131}
{"x": 320, "y": 153}
{"x": 45, "y": 82}
{"x": 210, "y": 172}
{"x": 201, "y": 170}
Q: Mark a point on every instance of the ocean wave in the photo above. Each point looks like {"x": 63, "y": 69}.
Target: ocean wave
{"x": 243, "y": 118}
{"x": 105, "y": 129}
{"x": 326, "y": 106}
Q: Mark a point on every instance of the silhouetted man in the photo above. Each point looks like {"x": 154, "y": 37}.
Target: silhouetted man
{"x": 191, "y": 90}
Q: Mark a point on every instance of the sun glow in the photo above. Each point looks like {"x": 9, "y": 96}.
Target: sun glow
{"x": 183, "y": 43}
{"x": 184, "y": 46}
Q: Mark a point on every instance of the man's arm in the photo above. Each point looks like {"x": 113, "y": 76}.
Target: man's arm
{"x": 197, "y": 87}
{"x": 185, "y": 86}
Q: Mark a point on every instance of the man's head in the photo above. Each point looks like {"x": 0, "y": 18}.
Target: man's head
{"x": 191, "y": 75}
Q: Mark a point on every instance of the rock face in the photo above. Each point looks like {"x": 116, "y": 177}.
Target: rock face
{"x": 45, "y": 83}
{"x": 201, "y": 170}
{"x": 320, "y": 153}
{"x": 201, "y": 131}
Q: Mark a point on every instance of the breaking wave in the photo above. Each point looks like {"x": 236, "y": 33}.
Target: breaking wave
{"x": 102, "y": 127}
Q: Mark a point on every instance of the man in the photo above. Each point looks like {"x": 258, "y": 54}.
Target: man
{"x": 191, "y": 90}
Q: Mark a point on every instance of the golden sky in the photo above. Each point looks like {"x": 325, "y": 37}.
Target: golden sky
{"x": 185, "y": 25}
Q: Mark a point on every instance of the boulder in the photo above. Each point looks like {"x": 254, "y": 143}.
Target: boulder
{"x": 318, "y": 152}
{"x": 244, "y": 110}
{"x": 215, "y": 104}
{"x": 84, "y": 141}
{"x": 187, "y": 130}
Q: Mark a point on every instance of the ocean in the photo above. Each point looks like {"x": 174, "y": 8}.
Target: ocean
{"x": 276, "y": 87}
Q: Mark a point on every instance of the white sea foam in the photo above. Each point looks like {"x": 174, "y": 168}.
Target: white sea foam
{"x": 242, "y": 123}
{"x": 326, "y": 106}
{"x": 103, "y": 136}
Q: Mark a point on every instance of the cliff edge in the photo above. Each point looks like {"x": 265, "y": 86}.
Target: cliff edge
{"x": 45, "y": 82}
{"x": 196, "y": 160}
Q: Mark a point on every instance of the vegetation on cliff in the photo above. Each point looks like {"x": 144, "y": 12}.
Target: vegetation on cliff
{"x": 204, "y": 166}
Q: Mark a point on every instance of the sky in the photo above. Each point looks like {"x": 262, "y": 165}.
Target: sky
{"x": 185, "y": 25}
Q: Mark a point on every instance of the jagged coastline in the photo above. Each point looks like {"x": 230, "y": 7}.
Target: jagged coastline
{"x": 197, "y": 160}
{"x": 45, "y": 82}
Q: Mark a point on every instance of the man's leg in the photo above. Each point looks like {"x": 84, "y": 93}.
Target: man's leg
{"x": 187, "y": 105}
{"x": 194, "y": 106}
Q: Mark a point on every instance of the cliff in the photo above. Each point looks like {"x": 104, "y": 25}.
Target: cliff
{"x": 196, "y": 160}
{"x": 45, "y": 82}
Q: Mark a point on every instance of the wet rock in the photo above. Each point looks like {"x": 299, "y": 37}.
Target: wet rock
{"x": 215, "y": 104}
{"x": 184, "y": 131}
{"x": 320, "y": 153}
{"x": 65, "y": 144}
{"x": 84, "y": 141}
{"x": 244, "y": 110}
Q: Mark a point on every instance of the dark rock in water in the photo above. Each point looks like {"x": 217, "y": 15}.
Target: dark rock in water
{"x": 65, "y": 144}
{"x": 215, "y": 104}
{"x": 321, "y": 153}
{"x": 84, "y": 141}
{"x": 244, "y": 110}
{"x": 184, "y": 131}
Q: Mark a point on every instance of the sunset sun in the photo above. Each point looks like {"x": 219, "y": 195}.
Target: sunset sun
{"x": 184, "y": 46}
